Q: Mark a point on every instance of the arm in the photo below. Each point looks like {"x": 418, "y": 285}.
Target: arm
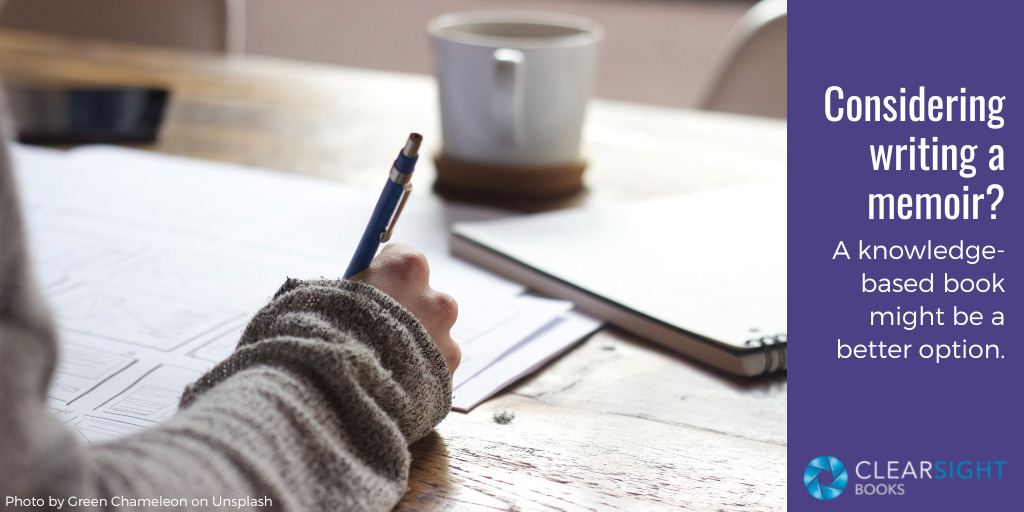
{"x": 331, "y": 382}
{"x": 315, "y": 409}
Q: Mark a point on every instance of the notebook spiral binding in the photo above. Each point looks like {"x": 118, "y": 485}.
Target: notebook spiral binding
{"x": 774, "y": 348}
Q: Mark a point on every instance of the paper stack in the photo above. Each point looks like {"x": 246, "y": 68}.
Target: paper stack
{"x": 153, "y": 264}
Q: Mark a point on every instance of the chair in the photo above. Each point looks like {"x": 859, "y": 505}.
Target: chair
{"x": 749, "y": 74}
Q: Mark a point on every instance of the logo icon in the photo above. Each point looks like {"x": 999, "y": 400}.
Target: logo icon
{"x": 825, "y": 478}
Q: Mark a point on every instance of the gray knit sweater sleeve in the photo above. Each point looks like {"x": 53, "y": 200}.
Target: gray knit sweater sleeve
{"x": 314, "y": 410}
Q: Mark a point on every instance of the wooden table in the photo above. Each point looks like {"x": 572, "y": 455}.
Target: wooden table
{"x": 617, "y": 423}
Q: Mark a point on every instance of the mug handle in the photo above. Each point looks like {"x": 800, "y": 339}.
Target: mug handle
{"x": 507, "y": 101}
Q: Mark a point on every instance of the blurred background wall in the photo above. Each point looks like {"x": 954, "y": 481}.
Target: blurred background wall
{"x": 655, "y": 51}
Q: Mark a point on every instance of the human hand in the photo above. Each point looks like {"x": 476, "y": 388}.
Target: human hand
{"x": 402, "y": 272}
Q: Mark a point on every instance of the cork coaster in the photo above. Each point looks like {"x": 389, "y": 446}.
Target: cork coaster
{"x": 531, "y": 189}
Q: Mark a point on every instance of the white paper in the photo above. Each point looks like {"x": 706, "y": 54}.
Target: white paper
{"x": 529, "y": 355}
{"x": 492, "y": 328}
{"x": 153, "y": 265}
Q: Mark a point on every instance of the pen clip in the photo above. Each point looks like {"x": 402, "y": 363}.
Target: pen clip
{"x": 385, "y": 236}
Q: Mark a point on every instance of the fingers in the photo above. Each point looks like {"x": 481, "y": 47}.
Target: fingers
{"x": 451, "y": 352}
{"x": 403, "y": 273}
{"x": 404, "y": 263}
{"x": 397, "y": 271}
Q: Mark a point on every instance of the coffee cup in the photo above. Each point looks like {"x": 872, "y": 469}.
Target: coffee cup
{"x": 513, "y": 89}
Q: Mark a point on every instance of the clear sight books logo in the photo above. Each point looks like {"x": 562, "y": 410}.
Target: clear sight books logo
{"x": 825, "y": 478}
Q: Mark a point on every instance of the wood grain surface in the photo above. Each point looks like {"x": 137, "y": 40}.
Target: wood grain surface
{"x": 615, "y": 424}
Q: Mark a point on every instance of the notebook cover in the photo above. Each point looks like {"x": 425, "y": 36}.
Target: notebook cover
{"x": 702, "y": 273}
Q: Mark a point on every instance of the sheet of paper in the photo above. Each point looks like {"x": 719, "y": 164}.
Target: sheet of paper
{"x": 104, "y": 388}
{"x": 527, "y": 356}
{"x": 492, "y": 328}
{"x": 153, "y": 264}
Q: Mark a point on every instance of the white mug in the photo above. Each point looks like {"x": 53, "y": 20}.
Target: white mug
{"x": 513, "y": 85}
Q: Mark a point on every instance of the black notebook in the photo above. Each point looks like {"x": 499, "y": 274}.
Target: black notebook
{"x": 703, "y": 274}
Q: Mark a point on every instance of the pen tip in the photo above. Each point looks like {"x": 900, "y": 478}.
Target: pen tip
{"x": 412, "y": 146}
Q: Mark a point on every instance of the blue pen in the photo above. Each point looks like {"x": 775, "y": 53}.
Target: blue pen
{"x": 389, "y": 206}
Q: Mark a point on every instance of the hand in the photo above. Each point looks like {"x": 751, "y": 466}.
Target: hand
{"x": 402, "y": 272}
